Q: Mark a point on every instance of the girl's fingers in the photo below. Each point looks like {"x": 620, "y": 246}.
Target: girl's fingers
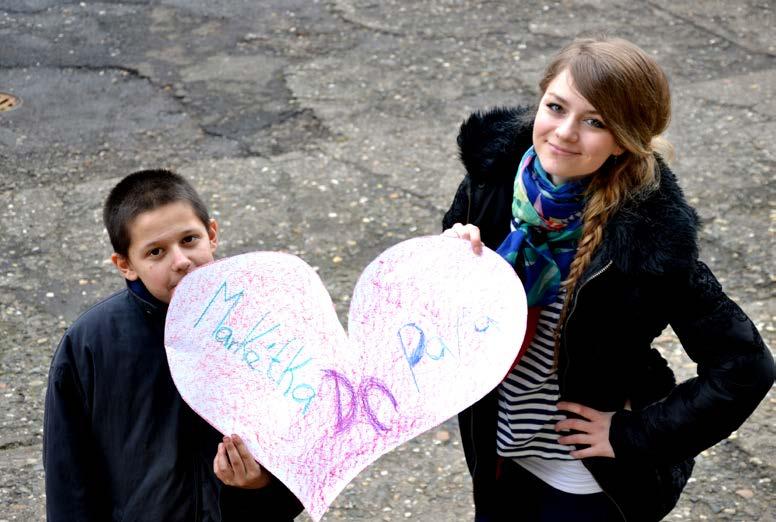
{"x": 585, "y": 453}
{"x": 573, "y": 424}
{"x": 584, "y": 411}
{"x": 579, "y": 438}
{"x": 468, "y": 232}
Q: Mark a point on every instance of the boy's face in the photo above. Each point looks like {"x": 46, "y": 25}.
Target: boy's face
{"x": 166, "y": 244}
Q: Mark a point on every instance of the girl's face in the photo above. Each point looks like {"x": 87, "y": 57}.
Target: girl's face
{"x": 569, "y": 136}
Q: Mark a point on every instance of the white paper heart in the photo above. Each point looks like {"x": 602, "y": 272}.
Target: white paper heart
{"x": 256, "y": 349}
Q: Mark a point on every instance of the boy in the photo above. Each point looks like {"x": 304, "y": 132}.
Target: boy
{"x": 119, "y": 442}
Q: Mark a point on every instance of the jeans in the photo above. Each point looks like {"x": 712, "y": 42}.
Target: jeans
{"x": 526, "y": 498}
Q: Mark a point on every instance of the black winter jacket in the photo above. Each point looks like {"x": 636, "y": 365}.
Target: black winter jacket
{"x": 643, "y": 277}
{"x": 119, "y": 441}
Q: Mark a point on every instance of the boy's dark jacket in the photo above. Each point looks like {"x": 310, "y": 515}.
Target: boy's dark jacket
{"x": 119, "y": 442}
{"x": 643, "y": 277}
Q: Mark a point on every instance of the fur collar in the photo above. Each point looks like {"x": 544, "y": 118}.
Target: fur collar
{"x": 654, "y": 234}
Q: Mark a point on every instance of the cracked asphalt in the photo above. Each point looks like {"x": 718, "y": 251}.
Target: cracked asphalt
{"x": 327, "y": 129}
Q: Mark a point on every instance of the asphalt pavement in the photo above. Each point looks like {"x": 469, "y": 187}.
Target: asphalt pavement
{"x": 327, "y": 129}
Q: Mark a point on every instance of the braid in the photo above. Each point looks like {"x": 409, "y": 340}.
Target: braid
{"x": 595, "y": 216}
{"x": 606, "y": 193}
{"x": 631, "y": 92}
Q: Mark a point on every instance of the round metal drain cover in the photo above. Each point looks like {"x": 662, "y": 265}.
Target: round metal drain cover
{"x": 9, "y": 102}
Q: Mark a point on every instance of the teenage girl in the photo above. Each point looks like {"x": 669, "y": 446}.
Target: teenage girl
{"x": 590, "y": 424}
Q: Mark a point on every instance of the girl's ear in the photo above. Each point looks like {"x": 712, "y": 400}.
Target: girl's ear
{"x": 124, "y": 266}
{"x": 212, "y": 234}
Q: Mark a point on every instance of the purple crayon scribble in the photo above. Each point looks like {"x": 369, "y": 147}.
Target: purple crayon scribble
{"x": 345, "y": 421}
{"x": 366, "y": 386}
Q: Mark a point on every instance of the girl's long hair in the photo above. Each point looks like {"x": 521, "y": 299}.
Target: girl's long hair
{"x": 630, "y": 91}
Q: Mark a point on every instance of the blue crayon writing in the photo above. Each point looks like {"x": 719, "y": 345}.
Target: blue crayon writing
{"x": 423, "y": 347}
{"x": 256, "y": 347}
{"x": 416, "y": 345}
{"x": 484, "y": 324}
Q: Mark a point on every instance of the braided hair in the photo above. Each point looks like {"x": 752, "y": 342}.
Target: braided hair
{"x": 630, "y": 91}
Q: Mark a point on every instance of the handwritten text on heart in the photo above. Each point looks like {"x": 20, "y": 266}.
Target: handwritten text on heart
{"x": 256, "y": 349}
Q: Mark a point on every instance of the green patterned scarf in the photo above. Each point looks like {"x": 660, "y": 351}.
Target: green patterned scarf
{"x": 546, "y": 227}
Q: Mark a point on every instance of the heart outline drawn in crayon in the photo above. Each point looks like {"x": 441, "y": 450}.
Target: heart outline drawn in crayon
{"x": 255, "y": 348}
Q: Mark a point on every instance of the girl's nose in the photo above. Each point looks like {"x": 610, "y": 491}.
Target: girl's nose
{"x": 566, "y": 130}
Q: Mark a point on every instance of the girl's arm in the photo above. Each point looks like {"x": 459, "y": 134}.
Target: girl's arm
{"x": 735, "y": 370}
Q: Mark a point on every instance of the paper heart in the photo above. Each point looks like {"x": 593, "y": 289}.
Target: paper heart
{"x": 256, "y": 349}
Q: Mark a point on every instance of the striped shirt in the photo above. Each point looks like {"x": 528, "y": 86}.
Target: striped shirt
{"x": 528, "y": 413}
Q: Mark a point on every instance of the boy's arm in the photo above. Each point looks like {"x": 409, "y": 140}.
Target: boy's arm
{"x": 250, "y": 491}
{"x": 273, "y": 502}
{"x": 72, "y": 491}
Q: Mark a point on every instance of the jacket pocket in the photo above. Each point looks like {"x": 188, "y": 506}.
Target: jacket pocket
{"x": 643, "y": 492}
{"x": 117, "y": 515}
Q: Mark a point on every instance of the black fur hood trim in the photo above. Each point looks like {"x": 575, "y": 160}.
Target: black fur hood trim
{"x": 653, "y": 234}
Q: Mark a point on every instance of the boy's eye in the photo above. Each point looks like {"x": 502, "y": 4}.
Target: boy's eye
{"x": 189, "y": 239}
{"x": 154, "y": 252}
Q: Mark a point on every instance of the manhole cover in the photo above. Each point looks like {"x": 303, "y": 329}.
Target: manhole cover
{"x": 9, "y": 102}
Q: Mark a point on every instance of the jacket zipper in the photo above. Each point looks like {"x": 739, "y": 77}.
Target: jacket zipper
{"x": 576, "y": 297}
{"x": 615, "y": 505}
{"x": 565, "y": 325}
{"x": 574, "y": 306}
{"x": 197, "y": 498}
{"x": 474, "y": 451}
{"x": 469, "y": 206}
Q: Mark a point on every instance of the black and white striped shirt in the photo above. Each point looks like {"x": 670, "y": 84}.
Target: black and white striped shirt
{"x": 528, "y": 413}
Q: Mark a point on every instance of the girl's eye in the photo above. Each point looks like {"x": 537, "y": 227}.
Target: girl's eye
{"x": 554, "y": 107}
{"x": 154, "y": 252}
{"x": 598, "y": 124}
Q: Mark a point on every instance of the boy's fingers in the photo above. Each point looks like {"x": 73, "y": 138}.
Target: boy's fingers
{"x": 221, "y": 466}
{"x": 242, "y": 449}
{"x": 251, "y": 466}
{"x": 234, "y": 457}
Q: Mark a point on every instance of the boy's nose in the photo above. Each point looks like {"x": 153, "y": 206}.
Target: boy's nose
{"x": 180, "y": 262}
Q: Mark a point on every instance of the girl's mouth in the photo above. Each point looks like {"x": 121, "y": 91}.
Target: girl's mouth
{"x": 560, "y": 150}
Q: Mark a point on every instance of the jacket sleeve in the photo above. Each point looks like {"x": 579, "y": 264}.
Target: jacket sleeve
{"x": 459, "y": 208}
{"x": 274, "y": 502}
{"x": 73, "y": 489}
{"x": 735, "y": 370}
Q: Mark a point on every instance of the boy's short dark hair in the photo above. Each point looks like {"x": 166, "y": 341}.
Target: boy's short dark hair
{"x": 140, "y": 192}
